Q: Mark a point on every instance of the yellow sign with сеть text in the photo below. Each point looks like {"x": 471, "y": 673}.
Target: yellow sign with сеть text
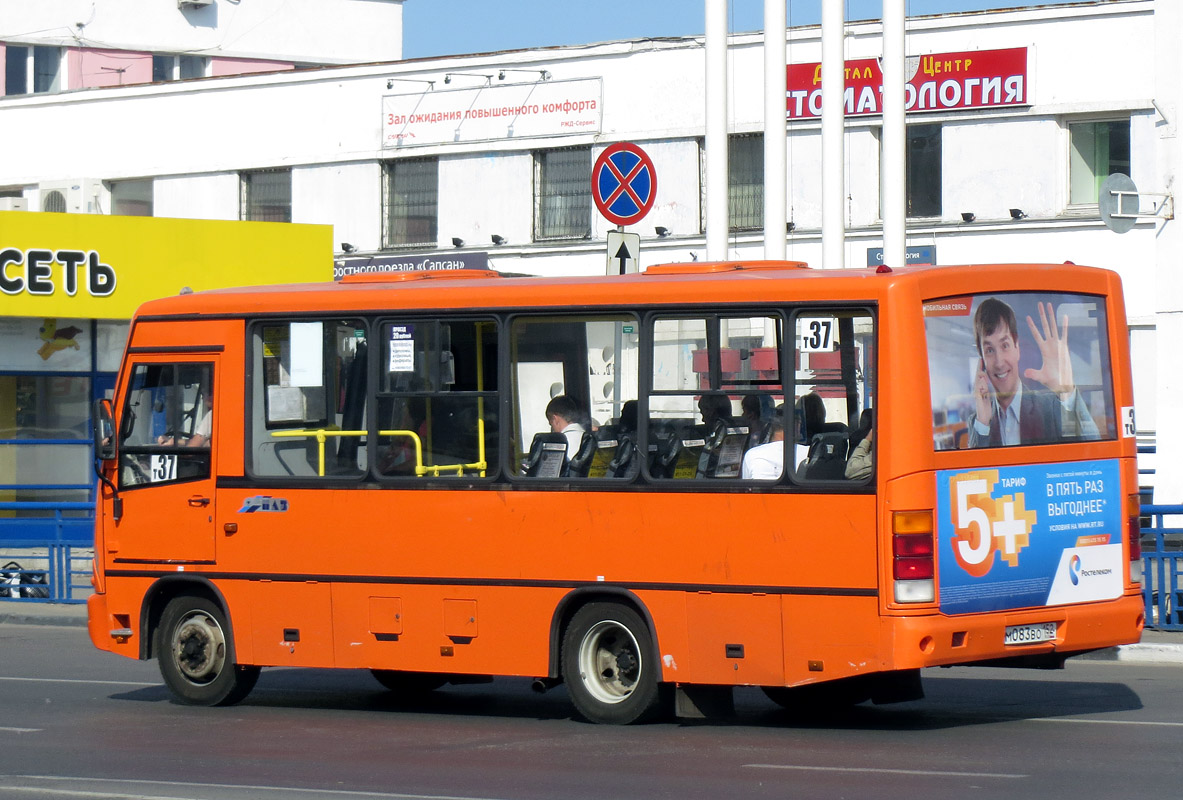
{"x": 103, "y": 267}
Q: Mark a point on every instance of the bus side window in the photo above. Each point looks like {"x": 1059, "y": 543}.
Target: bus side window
{"x": 309, "y": 398}
{"x": 715, "y": 390}
{"x": 575, "y": 376}
{"x": 835, "y": 370}
{"x": 437, "y": 402}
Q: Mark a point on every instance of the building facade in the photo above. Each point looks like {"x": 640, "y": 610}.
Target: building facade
{"x": 1016, "y": 119}
{"x": 64, "y": 45}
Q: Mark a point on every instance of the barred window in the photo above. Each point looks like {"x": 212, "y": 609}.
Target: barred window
{"x": 267, "y": 195}
{"x": 561, "y": 194}
{"x": 745, "y": 181}
{"x": 410, "y": 202}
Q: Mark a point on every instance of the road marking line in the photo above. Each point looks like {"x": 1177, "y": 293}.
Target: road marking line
{"x": 77, "y": 680}
{"x": 20, "y": 730}
{"x": 1114, "y": 722}
{"x": 929, "y": 772}
{"x": 119, "y": 794}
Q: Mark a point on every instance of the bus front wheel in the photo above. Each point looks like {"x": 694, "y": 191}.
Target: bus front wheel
{"x": 610, "y": 665}
{"x": 195, "y": 655}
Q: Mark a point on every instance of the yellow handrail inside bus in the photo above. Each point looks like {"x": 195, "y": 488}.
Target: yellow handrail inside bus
{"x": 323, "y": 434}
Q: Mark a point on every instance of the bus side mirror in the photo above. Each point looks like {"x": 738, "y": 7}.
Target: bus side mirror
{"x": 104, "y": 430}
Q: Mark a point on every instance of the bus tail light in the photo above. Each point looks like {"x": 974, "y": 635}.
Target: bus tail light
{"x": 913, "y": 567}
{"x": 1134, "y": 534}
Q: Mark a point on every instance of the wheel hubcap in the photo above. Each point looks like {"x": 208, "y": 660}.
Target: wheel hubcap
{"x": 199, "y": 648}
{"x": 609, "y": 662}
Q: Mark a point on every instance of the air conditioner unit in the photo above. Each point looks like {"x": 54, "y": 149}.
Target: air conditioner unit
{"x": 78, "y": 196}
{"x": 183, "y": 4}
{"x": 14, "y": 204}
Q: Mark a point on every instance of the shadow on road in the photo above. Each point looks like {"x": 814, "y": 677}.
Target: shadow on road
{"x": 968, "y": 697}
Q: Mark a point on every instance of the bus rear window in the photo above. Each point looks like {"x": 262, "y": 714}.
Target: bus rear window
{"x": 1019, "y": 368}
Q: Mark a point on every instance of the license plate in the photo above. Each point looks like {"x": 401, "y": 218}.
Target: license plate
{"x": 1030, "y": 634}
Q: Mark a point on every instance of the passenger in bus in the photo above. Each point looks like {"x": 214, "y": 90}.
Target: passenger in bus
{"x": 766, "y": 462}
{"x": 628, "y": 418}
{"x": 1041, "y": 406}
{"x": 859, "y": 465}
{"x": 715, "y": 408}
{"x": 756, "y": 414}
{"x": 564, "y": 416}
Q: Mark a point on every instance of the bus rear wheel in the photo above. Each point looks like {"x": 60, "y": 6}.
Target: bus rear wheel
{"x": 195, "y": 655}
{"x": 609, "y": 665}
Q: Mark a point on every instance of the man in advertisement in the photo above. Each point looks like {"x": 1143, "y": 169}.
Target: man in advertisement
{"x": 1041, "y": 406}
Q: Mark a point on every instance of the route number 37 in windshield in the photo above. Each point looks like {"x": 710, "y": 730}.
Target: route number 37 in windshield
{"x": 817, "y": 334}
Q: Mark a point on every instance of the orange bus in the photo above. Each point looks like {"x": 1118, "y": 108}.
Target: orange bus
{"x": 651, "y": 488}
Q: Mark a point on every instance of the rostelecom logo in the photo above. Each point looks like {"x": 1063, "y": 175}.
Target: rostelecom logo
{"x": 1074, "y": 569}
{"x": 985, "y": 526}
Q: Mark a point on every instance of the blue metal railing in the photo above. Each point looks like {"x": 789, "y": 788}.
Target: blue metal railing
{"x": 69, "y": 527}
{"x": 1162, "y": 564}
{"x": 77, "y": 529}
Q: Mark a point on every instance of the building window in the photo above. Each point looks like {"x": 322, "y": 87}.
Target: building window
{"x": 924, "y": 170}
{"x": 132, "y": 198}
{"x": 745, "y": 181}
{"x": 1096, "y": 151}
{"x": 561, "y": 193}
{"x": 267, "y": 195}
{"x": 47, "y": 63}
{"x": 191, "y": 67}
{"x": 173, "y": 68}
{"x": 46, "y": 70}
{"x": 411, "y": 202}
{"x": 162, "y": 68}
{"x": 16, "y": 70}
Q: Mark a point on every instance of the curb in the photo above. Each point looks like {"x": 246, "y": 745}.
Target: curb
{"x": 65, "y": 617}
{"x": 1145, "y": 653}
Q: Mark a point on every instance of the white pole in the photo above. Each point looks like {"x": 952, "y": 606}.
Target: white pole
{"x": 716, "y": 129}
{"x": 775, "y": 134}
{"x": 833, "y": 116}
{"x": 893, "y": 179}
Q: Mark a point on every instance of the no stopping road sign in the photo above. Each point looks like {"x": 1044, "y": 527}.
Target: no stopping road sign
{"x": 624, "y": 183}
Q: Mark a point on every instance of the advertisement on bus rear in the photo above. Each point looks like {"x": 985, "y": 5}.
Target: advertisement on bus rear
{"x": 1019, "y": 368}
{"x": 1030, "y": 535}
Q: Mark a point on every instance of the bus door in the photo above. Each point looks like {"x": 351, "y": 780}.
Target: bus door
{"x": 166, "y": 428}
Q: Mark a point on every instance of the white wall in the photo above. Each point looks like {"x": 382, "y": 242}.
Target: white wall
{"x": 346, "y": 196}
{"x": 498, "y": 198}
{"x": 197, "y": 197}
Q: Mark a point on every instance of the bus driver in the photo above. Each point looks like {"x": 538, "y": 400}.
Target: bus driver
{"x": 1009, "y": 410}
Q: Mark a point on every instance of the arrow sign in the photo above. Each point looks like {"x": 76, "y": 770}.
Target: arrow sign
{"x": 623, "y": 252}
{"x": 624, "y": 183}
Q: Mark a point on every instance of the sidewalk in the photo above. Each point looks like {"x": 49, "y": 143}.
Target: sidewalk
{"x": 24, "y": 612}
{"x": 1156, "y": 647}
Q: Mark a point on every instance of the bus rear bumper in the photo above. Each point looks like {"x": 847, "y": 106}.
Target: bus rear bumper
{"x": 973, "y": 638}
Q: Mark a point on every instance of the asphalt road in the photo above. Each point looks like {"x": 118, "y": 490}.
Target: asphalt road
{"x": 77, "y": 723}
